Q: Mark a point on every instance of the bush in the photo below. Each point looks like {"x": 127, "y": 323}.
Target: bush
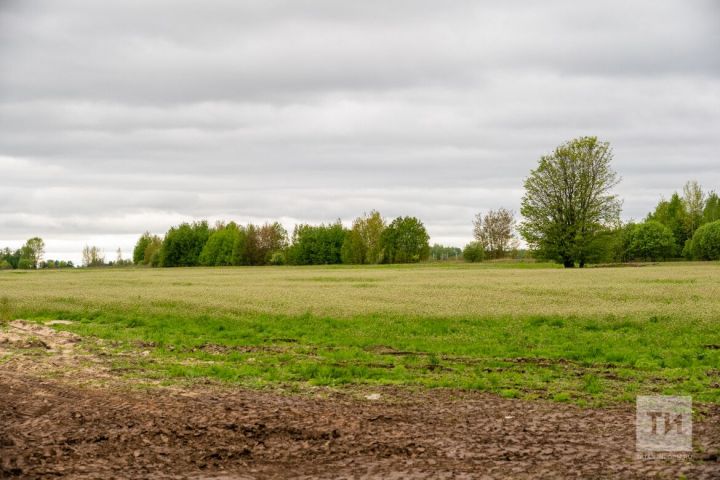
{"x": 474, "y": 252}
{"x": 24, "y": 264}
{"x": 705, "y": 244}
{"x": 277, "y": 258}
{"x": 650, "y": 240}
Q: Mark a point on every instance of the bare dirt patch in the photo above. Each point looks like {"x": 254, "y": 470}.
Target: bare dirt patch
{"x": 52, "y": 427}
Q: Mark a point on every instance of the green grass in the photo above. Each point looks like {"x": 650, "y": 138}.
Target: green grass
{"x": 589, "y": 336}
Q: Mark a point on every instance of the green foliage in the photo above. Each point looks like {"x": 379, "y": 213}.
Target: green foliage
{"x": 32, "y": 252}
{"x": 25, "y": 264}
{"x": 567, "y": 201}
{"x": 405, "y": 240}
{"x": 183, "y": 244}
{"x": 272, "y": 239}
{"x": 11, "y": 257}
{"x": 5, "y": 265}
{"x": 317, "y": 244}
{"x": 52, "y": 264}
{"x": 140, "y": 246}
{"x": 711, "y": 212}
{"x": 219, "y": 247}
{"x": 673, "y": 214}
{"x": 363, "y": 242}
{"x": 278, "y": 258}
{"x": 474, "y": 252}
{"x": 650, "y": 240}
{"x": 607, "y": 246}
{"x": 705, "y": 244}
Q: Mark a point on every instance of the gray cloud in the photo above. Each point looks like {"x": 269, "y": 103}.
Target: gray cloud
{"x": 116, "y": 117}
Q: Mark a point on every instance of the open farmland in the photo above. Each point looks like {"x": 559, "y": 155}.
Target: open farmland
{"x": 319, "y": 354}
{"x": 589, "y": 336}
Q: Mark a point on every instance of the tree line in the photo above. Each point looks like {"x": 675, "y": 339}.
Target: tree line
{"x": 30, "y": 256}
{"x": 571, "y": 216}
{"x": 370, "y": 240}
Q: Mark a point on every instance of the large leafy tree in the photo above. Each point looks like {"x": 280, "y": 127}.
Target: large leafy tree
{"x": 405, "y": 240}
{"x": 568, "y": 200}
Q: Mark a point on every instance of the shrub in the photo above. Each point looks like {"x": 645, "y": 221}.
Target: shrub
{"x": 474, "y": 252}
{"x": 705, "y": 244}
{"x": 650, "y": 240}
{"x": 277, "y": 258}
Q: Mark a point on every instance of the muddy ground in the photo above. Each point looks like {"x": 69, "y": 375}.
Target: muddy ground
{"x": 55, "y": 424}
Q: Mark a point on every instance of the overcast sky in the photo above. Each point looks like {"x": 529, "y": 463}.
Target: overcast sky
{"x": 123, "y": 116}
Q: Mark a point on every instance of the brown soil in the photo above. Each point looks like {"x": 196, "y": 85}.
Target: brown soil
{"x": 57, "y": 428}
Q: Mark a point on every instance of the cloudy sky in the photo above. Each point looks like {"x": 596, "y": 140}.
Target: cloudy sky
{"x": 123, "y": 116}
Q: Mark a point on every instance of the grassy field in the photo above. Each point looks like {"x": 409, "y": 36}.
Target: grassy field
{"x": 591, "y": 336}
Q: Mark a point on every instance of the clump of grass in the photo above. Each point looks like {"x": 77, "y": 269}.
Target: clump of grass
{"x": 6, "y": 311}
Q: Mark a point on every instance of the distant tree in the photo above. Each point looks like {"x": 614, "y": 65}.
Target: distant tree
{"x": 33, "y": 252}
{"x": 441, "y": 252}
{"x": 147, "y": 250}
{"x": 92, "y": 257}
{"x": 272, "y": 239}
{"x": 405, "y": 240}
{"x": 650, "y": 240}
{"x": 495, "y": 231}
{"x": 253, "y": 254}
{"x": 239, "y": 254}
{"x": 140, "y": 246}
{"x": 24, "y": 264}
{"x": 363, "y": 242}
{"x": 5, "y": 265}
{"x": 674, "y": 215}
{"x": 705, "y": 244}
{"x": 694, "y": 201}
{"x": 474, "y": 252}
{"x": 317, "y": 244}
{"x": 607, "y": 246}
{"x": 183, "y": 244}
{"x": 568, "y": 201}
{"x": 218, "y": 250}
{"x": 711, "y": 211}
{"x": 12, "y": 257}
{"x": 152, "y": 252}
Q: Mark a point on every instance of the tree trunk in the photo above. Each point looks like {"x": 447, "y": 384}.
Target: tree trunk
{"x": 568, "y": 264}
